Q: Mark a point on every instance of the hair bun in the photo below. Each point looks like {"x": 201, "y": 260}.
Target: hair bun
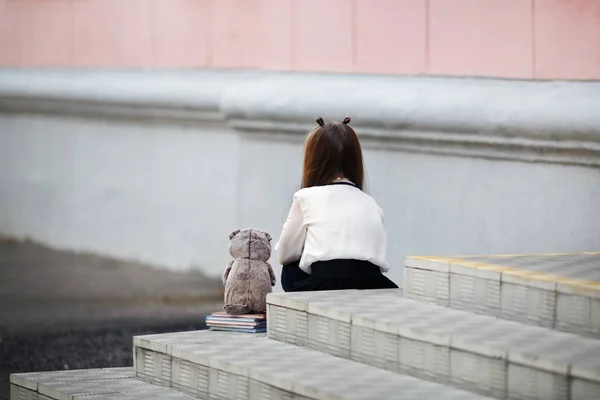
{"x": 320, "y": 121}
{"x": 346, "y": 121}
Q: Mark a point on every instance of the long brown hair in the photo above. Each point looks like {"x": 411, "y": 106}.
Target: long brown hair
{"x": 332, "y": 149}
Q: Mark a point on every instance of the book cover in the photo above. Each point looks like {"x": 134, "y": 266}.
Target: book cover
{"x": 233, "y": 320}
{"x": 246, "y": 330}
{"x": 241, "y": 325}
{"x": 223, "y": 314}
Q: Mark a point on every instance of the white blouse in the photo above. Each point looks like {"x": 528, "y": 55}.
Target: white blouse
{"x": 337, "y": 221}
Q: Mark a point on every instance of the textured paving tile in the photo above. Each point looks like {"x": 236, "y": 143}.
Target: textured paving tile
{"x": 497, "y": 357}
{"x": 164, "y": 342}
{"x": 92, "y": 384}
{"x": 246, "y": 367}
{"x": 32, "y": 380}
{"x": 576, "y": 265}
{"x": 558, "y": 291}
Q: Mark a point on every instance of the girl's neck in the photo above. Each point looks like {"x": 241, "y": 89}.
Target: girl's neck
{"x": 342, "y": 179}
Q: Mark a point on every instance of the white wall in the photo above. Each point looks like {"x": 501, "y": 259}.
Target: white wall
{"x": 443, "y": 205}
{"x": 169, "y": 191}
{"x": 163, "y": 194}
{"x": 169, "y": 195}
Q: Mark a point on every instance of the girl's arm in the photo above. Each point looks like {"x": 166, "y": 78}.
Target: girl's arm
{"x": 291, "y": 242}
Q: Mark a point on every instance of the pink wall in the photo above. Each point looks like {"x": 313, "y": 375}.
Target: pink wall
{"x": 507, "y": 38}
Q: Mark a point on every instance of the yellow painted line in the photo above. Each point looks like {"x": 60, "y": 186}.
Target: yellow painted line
{"x": 583, "y": 287}
{"x": 431, "y": 258}
{"x": 532, "y": 255}
{"x": 537, "y": 275}
{"x": 482, "y": 265}
{"x": 534, "y": 275}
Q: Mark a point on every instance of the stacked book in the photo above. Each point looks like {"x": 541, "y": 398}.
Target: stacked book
{"x": 251, "y": 323}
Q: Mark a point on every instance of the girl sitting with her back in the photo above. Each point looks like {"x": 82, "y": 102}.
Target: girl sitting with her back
{"x": 333, "y": 238}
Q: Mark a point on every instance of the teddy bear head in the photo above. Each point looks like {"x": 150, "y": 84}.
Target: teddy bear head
{"x": 252, "y": 244}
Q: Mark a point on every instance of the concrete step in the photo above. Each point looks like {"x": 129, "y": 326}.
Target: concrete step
{"x": 224, "y": 365}
{"x": 152, "y": 361}
{"x": 559, "y": 291}
{"x": 90, "y": 384}
{"x": 491, "y": 356}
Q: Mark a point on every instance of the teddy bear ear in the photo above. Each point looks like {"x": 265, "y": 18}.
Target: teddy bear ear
{"x": 268, "y": 236}
{"x": 232, "y": 234}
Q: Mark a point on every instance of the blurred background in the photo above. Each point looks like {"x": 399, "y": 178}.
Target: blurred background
{"x": 135, "y": 135}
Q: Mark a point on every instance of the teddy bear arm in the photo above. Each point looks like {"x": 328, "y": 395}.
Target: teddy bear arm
{"x": 227, "y": 271}
{"x": 271, "y": 274}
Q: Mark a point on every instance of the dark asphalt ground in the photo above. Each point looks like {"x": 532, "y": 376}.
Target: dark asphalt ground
{"x": 62, "y": 310}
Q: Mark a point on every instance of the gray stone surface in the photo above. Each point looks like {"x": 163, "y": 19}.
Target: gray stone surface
{"x": 91, "y": 384}
{"x": 64, "y": 311}
{"x": 153, "y": 361}
{"x": 33, "y": 380}
{"x": 487, "y": 355}
{"x": 40, "y": 286}
{"x": 584, "y": 266}
{"x": 165, "y": 342}
{"x": 559, "y": 291}
{"x": 253, "y": 367}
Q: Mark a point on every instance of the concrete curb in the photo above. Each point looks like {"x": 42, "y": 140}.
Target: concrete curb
{"x": 556, "y": 122}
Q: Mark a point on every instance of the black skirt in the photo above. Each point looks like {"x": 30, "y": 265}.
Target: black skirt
{"x": 334, "y": 275}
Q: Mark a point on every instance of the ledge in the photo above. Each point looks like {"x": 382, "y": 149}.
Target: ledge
{"x": 556, "y": 122}
{"x": 180, "y": 95}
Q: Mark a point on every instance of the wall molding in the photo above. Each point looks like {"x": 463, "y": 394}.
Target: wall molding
{"x": 555, "y": 122}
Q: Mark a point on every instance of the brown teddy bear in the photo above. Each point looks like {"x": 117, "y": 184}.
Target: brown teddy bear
{"x": 249, "y": 277}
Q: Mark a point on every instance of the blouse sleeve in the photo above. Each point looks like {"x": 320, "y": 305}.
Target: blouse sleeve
{"x": 291, "y": 242}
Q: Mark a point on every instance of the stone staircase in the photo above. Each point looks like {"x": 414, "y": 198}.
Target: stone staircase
{"x": 558, "y": 291}
{"x": 93, "y": 384}
{"x": 509, "y": 327}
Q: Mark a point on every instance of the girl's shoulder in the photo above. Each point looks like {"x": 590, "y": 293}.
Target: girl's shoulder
{"x": 315, "y": 190}
{"x": 316, "y": 196}
{"x": 336, "y": 190}
{"x": 307, "y": 192}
